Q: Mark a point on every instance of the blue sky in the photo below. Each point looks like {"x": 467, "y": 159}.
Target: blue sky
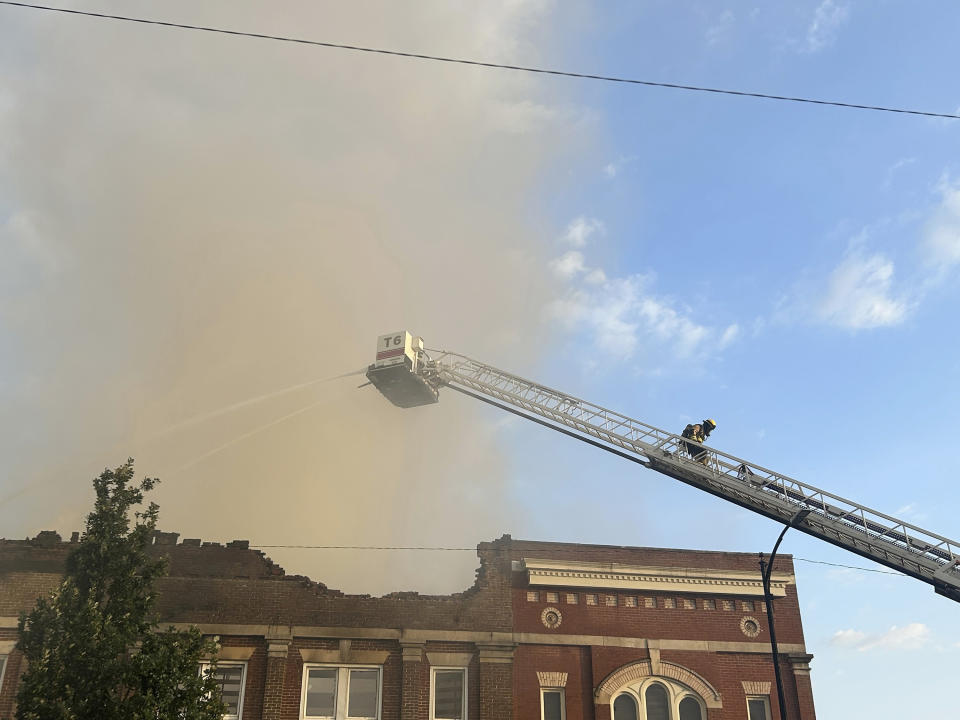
{"x": 787, "y": 269}
{"x": 190, "y": 221}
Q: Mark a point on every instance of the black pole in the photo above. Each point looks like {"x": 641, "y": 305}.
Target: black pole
{"x": 766, "y": 568}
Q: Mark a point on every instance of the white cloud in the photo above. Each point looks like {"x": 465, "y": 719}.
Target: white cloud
{"x": 729, "y": 335}
{"x": 620, "y": 314}
{"x": 911, "y": 512}
{"x": 893, "y": 169}
{"x": 941, "y": 238}
{"x": 568, "y": 265}
{"x": 580, "y": 229}
{"x": 596, "y": 277}
{"x": 827, "y": 19}
{"x": 910, "y": 637}
{"x": 720, "y": 29}
{"x": 848, "y": 638}
{"x": 858, "y": 294}
{"x": 862, "y": 290}
{"x": 612, "y": 168}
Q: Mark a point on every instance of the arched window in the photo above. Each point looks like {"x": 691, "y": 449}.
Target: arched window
{"x": 657, "y": 698}
{"x": 690, "y": 709}
{"x": 657, "y": 703}
{"x": 624, "y": 708}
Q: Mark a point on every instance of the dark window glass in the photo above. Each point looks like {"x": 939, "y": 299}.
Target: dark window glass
{"x": 552, "y": 705}
{"x": 321, "y": 692}
{"x": 758, "y": 709}
{"x": 657, "y": 704}
{"x": 624, "y": 708}
{"x": 362, "y": 695}
{"x": 690, "y": 709}
{"x": 448, "y": 694}
{"x": 229, "y": 677}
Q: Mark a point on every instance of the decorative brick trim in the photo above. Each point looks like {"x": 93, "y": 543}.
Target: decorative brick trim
{"x": 663, "y": 579}
{"x": 750, "y": 626}
{"x": 551, "y": 618}
{"x": 640, "y": 670}
{"x": 800, "y": 663}
{"x": 496, "y": 653}
{"x": 237, "y": 653}
{"x": 315, "y": 655}
{"x": 654, "y": 660}
{"x": 756, "y": 687}
{"x": 412, "y": 651}
{"x": 552, "y": 679}
{"x": 357, "y": 657}
{"x": 449, "y": 659}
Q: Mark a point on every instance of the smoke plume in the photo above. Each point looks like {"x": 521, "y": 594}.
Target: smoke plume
{"x": 189, "y": 221}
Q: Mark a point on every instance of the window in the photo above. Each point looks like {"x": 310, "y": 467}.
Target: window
{"x": 657, "y": 703}
{"x": 728, "y": 605}
{"x": 658, "y": 699}
{"x": 669, "y": 603}
{"x": 630, "y": 601}
{"x": 448, "y": 694}
{"x": 709, "y": 604}
{"x": 624, "y": 708}
{"x": 649, "y": 603}
{"x": 230, "y": 677}
{"x": 591, "y": 599}
{"x": 758, "y": 707}
{"x": 747, "y": 605}
{"x": 610, "y": 600}
{"x": 688, "y": 604}
{"x": 571, "y": 599}
{"x": 552, "y": 705}
{"x": 690, "y": 709}
{"x": 553, "y": 597}
{"x": 533, "y": 596}
{"x": 341, "y": 693}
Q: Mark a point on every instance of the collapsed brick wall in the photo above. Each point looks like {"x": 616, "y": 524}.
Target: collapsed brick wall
{"x": 211, "y": 583}
{"x": 233, "y": 585}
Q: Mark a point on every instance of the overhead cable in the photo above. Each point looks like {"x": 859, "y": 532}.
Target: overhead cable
{"x": 479, "y": 63}
{"x": 473, "y": 549}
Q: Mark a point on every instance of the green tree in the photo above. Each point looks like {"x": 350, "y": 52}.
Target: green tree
{"x": 93, "y": 647}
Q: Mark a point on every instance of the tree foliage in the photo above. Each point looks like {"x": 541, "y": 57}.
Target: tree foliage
{"x": 93, "y": 647}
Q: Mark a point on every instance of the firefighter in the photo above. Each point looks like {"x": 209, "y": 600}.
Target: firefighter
{"x": 698, "y": 433}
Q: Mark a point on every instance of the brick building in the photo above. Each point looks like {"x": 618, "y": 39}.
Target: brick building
{"x": 548, "y": 630}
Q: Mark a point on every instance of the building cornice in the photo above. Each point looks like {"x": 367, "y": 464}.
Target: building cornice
{"x": 615, "y": 576}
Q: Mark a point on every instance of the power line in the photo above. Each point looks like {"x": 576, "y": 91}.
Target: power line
{"x": 366, "y": 547}
{"x": 851, "y": 567}
{"x": 479, "y": 63}
{"x": 473, "y": 549}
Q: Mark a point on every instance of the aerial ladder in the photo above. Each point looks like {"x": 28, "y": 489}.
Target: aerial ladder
{"x": 409, "y": 375}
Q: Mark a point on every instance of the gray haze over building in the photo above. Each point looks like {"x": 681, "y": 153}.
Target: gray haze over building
{"x": 190, "y": 220}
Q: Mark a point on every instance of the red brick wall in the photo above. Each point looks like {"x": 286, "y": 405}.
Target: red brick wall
{"x": 8, "y": 690}
{"x": 236, "y": 585}
{"x": 575, "y": 661}
{"x": 253, "y": 692}
{"x": 676, "y": 623}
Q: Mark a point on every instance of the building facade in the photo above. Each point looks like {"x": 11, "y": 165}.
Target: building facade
{"x": 548, "y": 631}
